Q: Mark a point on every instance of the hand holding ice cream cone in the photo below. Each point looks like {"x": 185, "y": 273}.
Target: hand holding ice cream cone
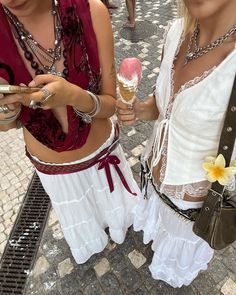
{"x": 127, "y": 114}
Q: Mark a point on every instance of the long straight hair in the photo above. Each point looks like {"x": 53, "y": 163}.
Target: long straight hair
{"x": 189, "y": 21}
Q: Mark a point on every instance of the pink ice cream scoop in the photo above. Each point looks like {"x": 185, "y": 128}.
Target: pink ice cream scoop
{"x": 129, "y": 76}
{"x": 130, "y": 69}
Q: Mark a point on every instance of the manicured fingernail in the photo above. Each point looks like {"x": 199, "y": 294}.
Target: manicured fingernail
{"x": 32, "y": 83}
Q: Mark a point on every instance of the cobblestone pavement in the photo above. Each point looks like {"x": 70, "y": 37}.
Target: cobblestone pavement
{"x": 15, "y": 174}
{"x": 119, "y": 269}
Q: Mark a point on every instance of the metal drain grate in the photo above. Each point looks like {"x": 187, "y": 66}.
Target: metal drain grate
{"x": 21, "y": 249}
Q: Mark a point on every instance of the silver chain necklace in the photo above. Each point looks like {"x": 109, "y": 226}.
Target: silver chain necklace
{"x": 50, "y": 55}
{"x": 199, "y": 51}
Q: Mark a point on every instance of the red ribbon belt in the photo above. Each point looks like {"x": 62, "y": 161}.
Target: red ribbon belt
{"x": 104, "y": 159}
{"x": 115, "y": 161}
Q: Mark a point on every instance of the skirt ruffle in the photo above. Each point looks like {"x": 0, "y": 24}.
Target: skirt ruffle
{"x": 179, "y": 255}
{"x": 85, "y": 207}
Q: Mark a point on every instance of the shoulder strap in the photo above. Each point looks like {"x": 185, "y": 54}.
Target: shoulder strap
{"x": 228, "y": 134}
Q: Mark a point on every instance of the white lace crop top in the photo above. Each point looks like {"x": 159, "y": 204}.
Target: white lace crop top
{"x": 190, "y": 121}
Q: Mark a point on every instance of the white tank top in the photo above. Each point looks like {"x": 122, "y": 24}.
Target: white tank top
{"x": 190, "y": 121}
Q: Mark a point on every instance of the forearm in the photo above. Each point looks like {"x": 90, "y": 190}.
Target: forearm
{"x": 81, "y": 100}
{"x": 148, "y": 110}
{"x": 108, "y": 106}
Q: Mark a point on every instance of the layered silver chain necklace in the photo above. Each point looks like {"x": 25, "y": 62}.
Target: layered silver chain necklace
{"x": 194, "y": 51}
{"x": 45, "y": 57}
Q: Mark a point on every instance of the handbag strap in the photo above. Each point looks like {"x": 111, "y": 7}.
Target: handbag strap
{"x": 215, "y": 194}
{"x": 227, "y": 138}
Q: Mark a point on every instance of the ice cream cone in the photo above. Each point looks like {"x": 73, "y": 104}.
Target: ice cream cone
{"x": 127, "y": 93}
{"x": 129, "y": 76}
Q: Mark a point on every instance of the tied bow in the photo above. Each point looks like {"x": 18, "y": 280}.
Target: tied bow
{"x": 158, "y": 142}
{"x": 113, "y": 160}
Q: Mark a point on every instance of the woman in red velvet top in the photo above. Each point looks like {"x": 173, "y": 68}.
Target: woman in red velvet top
{"x": 66, "y": 48}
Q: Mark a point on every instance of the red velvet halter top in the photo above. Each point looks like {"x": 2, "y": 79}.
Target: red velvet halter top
{"x": 81, "y": 56}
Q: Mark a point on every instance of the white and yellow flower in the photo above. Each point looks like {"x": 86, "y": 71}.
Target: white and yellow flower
{"x": 216, "y": 170}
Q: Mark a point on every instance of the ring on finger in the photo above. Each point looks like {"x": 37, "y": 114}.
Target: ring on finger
{"x": 34, "y": 105}
{"x": 46, "y": 96}
{"x": 4, "y": 109}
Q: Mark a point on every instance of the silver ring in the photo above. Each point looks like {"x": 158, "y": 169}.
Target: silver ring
{"x": 46, "y": 95}
{"x": 4, "y": 109}
{"x": 34, "y": 105}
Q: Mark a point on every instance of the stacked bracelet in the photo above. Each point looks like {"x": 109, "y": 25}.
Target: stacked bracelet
{"x": 87, "y": 117}
{"x": 10, "y": 119}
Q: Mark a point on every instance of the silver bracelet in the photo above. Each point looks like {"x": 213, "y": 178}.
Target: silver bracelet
{"x": 10, "y": 119}
{"x": 4, "y": 109}
{"x": 87, "y": 117}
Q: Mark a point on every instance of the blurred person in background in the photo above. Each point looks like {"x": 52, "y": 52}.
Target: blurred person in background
{"x": 130, "y": 5}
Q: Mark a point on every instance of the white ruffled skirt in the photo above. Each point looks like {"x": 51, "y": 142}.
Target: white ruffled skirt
{"x": 85, "y": 207}
{"x": 179, "y": 254}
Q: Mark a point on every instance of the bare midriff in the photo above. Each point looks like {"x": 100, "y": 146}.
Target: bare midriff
{"x": 99, "y": 132}
{"x": 156, "y": 177}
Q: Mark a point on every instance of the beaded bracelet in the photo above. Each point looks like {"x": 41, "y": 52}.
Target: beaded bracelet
{"x": 10, "y": 119}
{"x": 87, "y": 117}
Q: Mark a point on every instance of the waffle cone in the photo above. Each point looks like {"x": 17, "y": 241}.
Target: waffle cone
{"x": 126, "y": 93}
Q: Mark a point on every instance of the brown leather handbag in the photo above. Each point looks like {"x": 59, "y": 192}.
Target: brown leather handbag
{"x": 216, "y": 222}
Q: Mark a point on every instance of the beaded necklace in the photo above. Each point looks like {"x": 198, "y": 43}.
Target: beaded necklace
{"x": 45, "y": 58}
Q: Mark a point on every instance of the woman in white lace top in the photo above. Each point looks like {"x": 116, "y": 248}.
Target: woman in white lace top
{"x": 189, "y": 105}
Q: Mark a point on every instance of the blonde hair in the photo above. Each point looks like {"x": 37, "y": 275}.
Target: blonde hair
{"x": 189, "y": 21}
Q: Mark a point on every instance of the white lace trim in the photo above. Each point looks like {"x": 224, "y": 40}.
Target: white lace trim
{"x": 167, "y": 28}
{"x": 198, "y": 189}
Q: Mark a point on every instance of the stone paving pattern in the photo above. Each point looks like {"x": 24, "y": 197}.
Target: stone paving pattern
{"x": 119, "y": 269}
{"x": 15, "y": 173}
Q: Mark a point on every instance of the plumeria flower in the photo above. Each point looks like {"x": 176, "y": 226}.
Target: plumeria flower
{"x": 216, "y": 170}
